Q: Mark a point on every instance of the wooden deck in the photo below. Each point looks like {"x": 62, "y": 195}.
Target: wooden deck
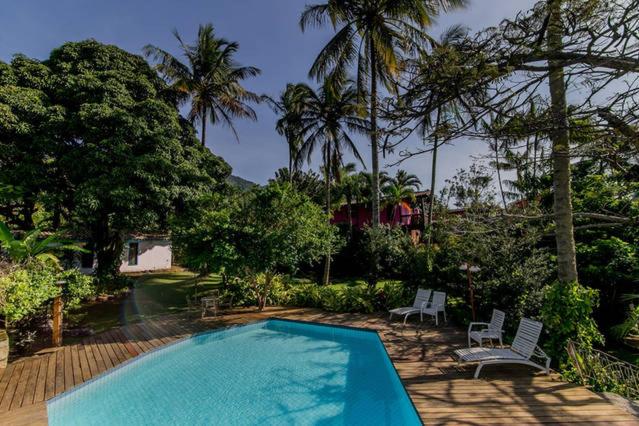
{"x": 442, "y": 392}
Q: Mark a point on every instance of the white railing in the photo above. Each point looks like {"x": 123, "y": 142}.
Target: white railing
{"x": 603, "y": 372}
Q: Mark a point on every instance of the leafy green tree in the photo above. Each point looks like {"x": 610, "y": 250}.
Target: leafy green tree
{"x": 119, "y": 158}
{"x": 210, "y": 79}
{"x": 329, "y": 115}
{"x": 27, "y": 119}
{"x": 306, "y": 182}
{"x": 368, "y": 36}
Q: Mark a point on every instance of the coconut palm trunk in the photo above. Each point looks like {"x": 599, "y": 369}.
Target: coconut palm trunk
{"x": 431, "y": 201}
{"x": 374, "y": 153}
{"x": 433, "y": 175}
{"x": 560, "y": 137}
{"x": 327, "y": 173}
{"x": 204, "y": 126}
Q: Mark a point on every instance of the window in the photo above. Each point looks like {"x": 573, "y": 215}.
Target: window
{"x": 133, "y": 254}
{"x": 86, "y": 260}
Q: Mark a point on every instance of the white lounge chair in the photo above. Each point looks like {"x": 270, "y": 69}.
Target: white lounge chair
{"x": 492, "y": 330}
{"x": 436, "y": 306}
{"x": 523, "y": 348}
{"x": 421, "y": 301}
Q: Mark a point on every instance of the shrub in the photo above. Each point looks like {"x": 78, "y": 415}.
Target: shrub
{"x": 25, "y": 289}
{"x": 77, "y": 288}
{"x": 382, "y": 252}
{"x": 567, "y": 314}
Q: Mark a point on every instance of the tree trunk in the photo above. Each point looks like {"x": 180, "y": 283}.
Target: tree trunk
{"x": 290, "y": 164}
{"x": 560, "y": 137}
{"x": 349, "y": 211}
{"x": 501, "y": 185}
{"x": 204, "y": 126}
{"x": 327, "y": 174}
{"x": 433, "y": 174}
{"x": 374, "y": 153}
{"x": 108, "y": 250}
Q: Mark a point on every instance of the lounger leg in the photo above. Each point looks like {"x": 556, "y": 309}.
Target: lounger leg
{"x": 390, "y": 317}
{"x": 445, "y": 320}
{"x": 469, "y": 340}
{"x": 436, "y": 318}
{"x": 481, "y": 342}
{"x": 421, "y": 316}
{"x": 405, "y": 318}
{"x": 478, "y": 370}
{"x": 501, "y": 345}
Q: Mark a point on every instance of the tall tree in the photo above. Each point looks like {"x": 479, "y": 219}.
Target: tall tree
{"x": 540, "y": 54}
{"x": 560, "y": 137}
{"x": 368, "y": 35}
{"x": 329, "y": 115}
{"x": 290, "y": 106}
{"x": 119, "y": 157}
{"x": 210, "y": 79}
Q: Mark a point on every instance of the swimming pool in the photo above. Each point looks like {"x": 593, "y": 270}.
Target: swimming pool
{"x": 270, "y": 372}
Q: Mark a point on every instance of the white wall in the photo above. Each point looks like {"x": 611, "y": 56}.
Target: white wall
{"x": 152, "y": 255}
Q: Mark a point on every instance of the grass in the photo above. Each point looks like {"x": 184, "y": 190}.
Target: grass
{"x": 153, "y": 295}
{"x": 159, "y": 294}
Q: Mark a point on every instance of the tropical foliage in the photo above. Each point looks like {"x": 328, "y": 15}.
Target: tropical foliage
{"x": 211, "y": 79}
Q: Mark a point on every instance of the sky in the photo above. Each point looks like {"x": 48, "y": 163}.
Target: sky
{"x": 270, "y": 38}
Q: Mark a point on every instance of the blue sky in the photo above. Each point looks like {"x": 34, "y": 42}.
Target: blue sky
{"x": 269, "y": 37}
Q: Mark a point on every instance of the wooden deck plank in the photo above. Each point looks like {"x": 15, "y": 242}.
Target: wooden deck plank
{"x": 18, "y": 394}
{"x": 49, "y": 388}
{"x": 442, "y": 392}
{"x": 67, "y": 369}
{"x": 77, "y": 369}
{"x": 30, "y": 388}
{"x": 7, "y": 385}
{"x": 105, "y": 351}
{"x": 84, "y": 363}
{"x": 4, "y": 379}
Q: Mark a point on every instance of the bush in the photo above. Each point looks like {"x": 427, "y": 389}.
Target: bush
{"x": 25, "y": 289}
{"x": 567, "y": 314}
{"x": 383, "y": 251}
{"x": 78, "y": 287}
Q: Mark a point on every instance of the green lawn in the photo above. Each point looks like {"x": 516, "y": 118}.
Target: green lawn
{"x": 153, "y": 295}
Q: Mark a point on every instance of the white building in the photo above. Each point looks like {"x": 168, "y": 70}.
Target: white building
{"x": 141, "y": 253}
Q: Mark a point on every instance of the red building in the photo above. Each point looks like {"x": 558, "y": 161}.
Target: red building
{"x": 408, "y": 213}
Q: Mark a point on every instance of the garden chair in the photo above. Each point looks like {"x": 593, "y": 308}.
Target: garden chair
{"x": 524, "y": 347}
{"x": 492, "y": 330}
{"x": 420, "y": 303}
{"x": 437, "y": 305}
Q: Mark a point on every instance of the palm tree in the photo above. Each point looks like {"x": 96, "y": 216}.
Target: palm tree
{"x": 399, "y": 188}
{"x": 210, "y": 79}
{"x": 350, "y": 187}
{"x": 403, "y": 179}
{"x": 290, "y": 106}
{"x": 395, "y": 194}
{"x": 328, "y": 116}
{"x": 369, "y": 33}
{"x": 32, "y": 246}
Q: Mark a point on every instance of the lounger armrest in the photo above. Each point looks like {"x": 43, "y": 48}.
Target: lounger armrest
{"x": 539, "y": 353}
{"x": 472, "y": 324}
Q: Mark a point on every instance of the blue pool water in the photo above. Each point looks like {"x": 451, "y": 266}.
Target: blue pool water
{"x": 271, "y": 372}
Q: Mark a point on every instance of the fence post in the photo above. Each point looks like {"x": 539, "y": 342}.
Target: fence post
{"x": 56, "y": 338}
